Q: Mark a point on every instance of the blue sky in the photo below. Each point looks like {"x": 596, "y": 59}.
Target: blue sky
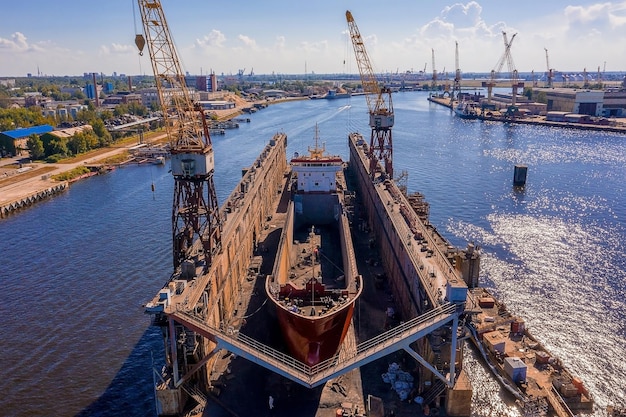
{"x": 71, "y": 37}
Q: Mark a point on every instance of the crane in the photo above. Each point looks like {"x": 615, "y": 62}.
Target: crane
{"x": 549, "y": 74}
{"x": 456, "y": 88}
{"x": 434, "y": 82}
{"x": 379, "y": 105}
{"x": 508, "y": 58}
{"x": 195, "y": 212}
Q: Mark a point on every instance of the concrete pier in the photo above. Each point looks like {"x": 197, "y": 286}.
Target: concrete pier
{"x": 8, "y": 208}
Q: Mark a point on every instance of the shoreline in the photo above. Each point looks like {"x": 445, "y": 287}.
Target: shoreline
{"x": 534, "y": 120}
{"x": 20, "y": 190}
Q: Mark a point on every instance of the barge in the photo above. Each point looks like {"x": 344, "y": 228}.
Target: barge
{"x": 524, "y": 366}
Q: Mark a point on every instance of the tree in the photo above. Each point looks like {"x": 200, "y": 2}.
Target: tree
{"x": 541, "y": 97}
{"x": 57, "y": 146}
{"x": 14, "y": 118}
{"x": 35, "y": 146}
{"x": 100, "y": 131}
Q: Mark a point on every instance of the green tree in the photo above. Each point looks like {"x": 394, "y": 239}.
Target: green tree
{"x": 77, "y": 143}
{"x": 57, "y": 146}
{"x": 79, "y": 95}
{"x": 528, "y": 92}
{"x": 35, "y": 146}
{"x": 14, "y": 118}
{"x": 541, "y": 97}
{"x": 101, "y": 132}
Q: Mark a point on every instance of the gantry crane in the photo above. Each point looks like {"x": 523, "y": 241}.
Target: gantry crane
{"x": 508, "y": 58}
{"x": 196, "y": 224}
{"x": 379, "y": 105}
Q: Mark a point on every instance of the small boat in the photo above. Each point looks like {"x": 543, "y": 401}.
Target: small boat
{"x": 337, "y": 93}
{"x": 466, "y": 110}
{"x": 315, "y": 282}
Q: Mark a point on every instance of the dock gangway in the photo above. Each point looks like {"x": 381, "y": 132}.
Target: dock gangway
{"x": 399, "y": 337}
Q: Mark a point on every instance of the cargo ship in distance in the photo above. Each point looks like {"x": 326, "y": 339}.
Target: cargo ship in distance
{"x": 315, "y": 281}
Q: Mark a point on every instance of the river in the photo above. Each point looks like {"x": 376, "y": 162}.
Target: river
{"x": 79, "y": 267}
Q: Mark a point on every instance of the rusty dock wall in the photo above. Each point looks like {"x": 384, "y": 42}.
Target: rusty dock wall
{"x": 420, "y": 271}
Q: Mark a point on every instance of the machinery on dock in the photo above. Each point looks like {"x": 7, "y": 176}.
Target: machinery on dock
{"x": 379, "y": 105}
{"x": 513, "y": 74}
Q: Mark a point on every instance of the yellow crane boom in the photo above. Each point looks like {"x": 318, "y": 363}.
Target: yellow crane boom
{"x": 195, "y": 212}
{"x": 379, "y": 104}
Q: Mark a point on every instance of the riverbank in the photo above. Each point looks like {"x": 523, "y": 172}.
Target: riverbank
{"x": 24, "y": 182}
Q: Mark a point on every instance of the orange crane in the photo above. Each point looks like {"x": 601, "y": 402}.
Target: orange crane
{"x": 195, "y": 211}
{"x": 379, "y": 105}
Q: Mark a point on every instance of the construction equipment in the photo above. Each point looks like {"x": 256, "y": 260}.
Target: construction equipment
{"x": 456, "y": 87}
{"x": 508, "y": 58}
{"x": 196, "y": 223}
{"x": 379, "y": 105}
{"x": 433, "y": 85}
{"x": 549, "y": 74}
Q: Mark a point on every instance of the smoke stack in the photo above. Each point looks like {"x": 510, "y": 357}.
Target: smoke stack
{"x": 130, "y": 84}
{"x": 95, "y": 90}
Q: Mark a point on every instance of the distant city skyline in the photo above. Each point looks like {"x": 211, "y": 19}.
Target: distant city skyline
{"x": 71, "y": 37}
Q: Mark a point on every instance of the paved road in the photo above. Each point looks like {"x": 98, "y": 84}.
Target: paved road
{"x": 37, "y": 178}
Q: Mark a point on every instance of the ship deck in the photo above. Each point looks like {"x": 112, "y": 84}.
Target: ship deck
{"x": 317, "y": 259}
{"x": 505, "y": 336}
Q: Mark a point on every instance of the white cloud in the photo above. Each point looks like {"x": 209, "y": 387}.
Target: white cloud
{"x": 18, "y": 43}
{"x": 117, "y": 48}
{"x": 215, "y": 38}
{"x": 280, "y": 42}
{"x": 247, "y": 41}
{"x": 314, "y": 46}
{"x": 600, "y": 16}
{"x": 463, "y": 15}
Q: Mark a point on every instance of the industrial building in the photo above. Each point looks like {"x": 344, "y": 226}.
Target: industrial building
{"x": 13, "y": 142}
{"x": 598, "y": 103}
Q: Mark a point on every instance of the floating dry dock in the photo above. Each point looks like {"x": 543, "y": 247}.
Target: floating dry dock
{"x": 211, "y": 314}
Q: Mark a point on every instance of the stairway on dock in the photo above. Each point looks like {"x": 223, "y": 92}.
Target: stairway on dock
{"x": 311, "y": 376}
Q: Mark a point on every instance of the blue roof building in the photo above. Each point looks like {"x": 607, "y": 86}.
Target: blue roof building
{"x": 14, "y": 141}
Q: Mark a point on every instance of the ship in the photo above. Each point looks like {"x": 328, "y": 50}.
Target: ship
{"x": 523, "y": 365}
{"x": 315, "y": 282}
{"x": 337, "y": 93}
{"x": 466, "y": 110}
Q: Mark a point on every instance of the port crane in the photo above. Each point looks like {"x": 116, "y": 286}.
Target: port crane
{"x": 196, "y": 223}
{"x": 549, "y": 73}
{"x": 379, "y": 105}
{"x": 508, "y": 58}
{"x": 456, "y": 87}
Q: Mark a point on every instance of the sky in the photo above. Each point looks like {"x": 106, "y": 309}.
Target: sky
{"x": 72, "y": 37}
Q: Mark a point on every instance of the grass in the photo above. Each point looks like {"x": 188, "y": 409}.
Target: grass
{"x": 69, "y": 175}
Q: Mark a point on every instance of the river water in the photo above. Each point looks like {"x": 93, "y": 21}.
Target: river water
{"x": 78, "y": 267}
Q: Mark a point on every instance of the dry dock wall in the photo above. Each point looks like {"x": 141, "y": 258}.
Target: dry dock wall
{"x": 411, "y": 298}
{"x": 395, "y": 238}
{"x": 245, "y": 214}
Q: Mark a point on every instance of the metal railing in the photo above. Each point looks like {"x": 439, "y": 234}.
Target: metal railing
{"x": 273, "y": 359}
